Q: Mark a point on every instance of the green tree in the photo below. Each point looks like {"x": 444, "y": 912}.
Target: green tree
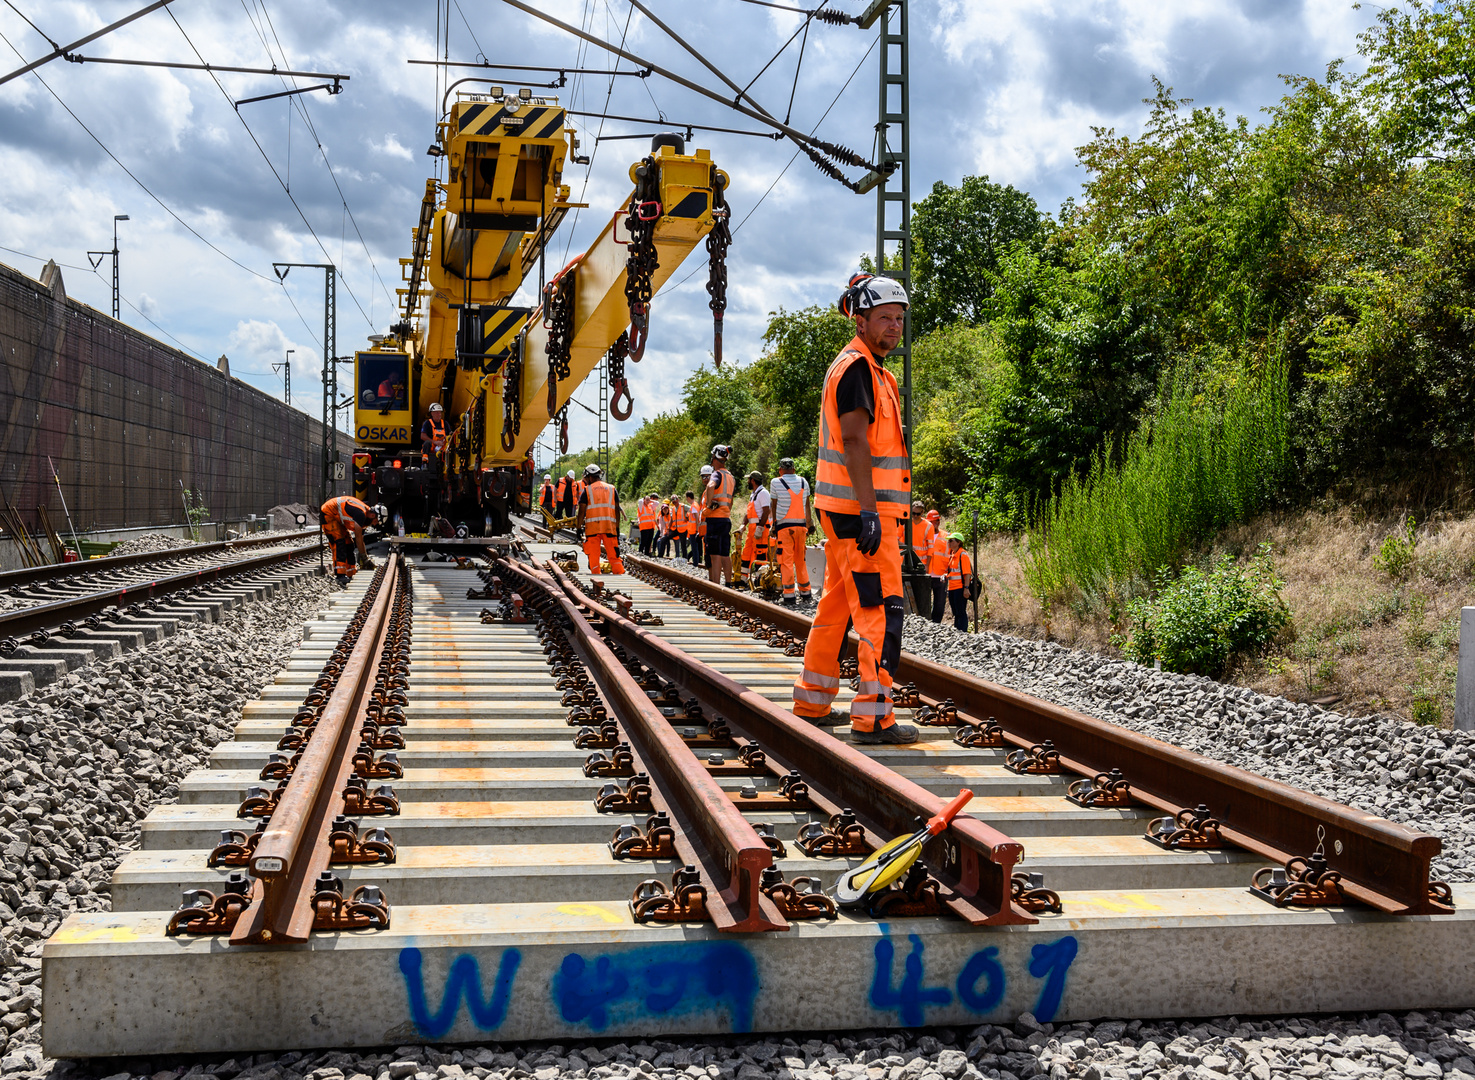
{"x": 1421, "y": 76}
{"x": 719, "y": 401}
{"x": 789, "y": 376}
{"x": 960, "y": 234}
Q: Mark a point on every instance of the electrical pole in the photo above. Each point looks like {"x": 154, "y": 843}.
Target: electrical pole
{"x": 893, "y": 142}
{"x": 114, "y": 253}
{"x": 331, "y": 465}
{"x": 285, "y": 367}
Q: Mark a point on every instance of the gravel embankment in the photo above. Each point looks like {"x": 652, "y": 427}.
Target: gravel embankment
{"x": 84, "y": 760}
{"x": 144, "y": 542}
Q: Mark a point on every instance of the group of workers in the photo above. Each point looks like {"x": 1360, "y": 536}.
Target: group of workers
{"x": 862, "y": 494}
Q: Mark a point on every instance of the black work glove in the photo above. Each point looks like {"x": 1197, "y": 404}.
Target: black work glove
{"x": 870, "y": 533}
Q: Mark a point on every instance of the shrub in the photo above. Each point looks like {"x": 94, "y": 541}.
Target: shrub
{"x": 1195, "y": 466}
{"x": 1198, "y": 621}
{"x": 1396, "y": 555}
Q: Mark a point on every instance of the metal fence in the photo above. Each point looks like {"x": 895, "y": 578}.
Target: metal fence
{"x": 127, "y": 419}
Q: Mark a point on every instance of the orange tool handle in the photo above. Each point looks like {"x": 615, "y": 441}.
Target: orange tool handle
{"x": 951, "y": 810}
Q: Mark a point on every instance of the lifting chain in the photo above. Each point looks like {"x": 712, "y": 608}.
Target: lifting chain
{"x": 562, "y": 419}
{"x": 558, "y": 320}
{"x": 512, "y": 398}
{"x": 619, "y": 386}
{"x": 640, "y": 260}
{"x": 718, "y": 241}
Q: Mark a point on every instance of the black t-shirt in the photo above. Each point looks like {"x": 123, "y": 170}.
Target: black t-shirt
{"x": 855, "y": 390}
{"x": 361, "y": 517}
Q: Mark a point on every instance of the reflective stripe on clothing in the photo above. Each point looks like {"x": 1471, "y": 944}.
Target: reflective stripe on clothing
{"x": 890, "y": 466}
{"x": 830, "y": 682}
{"x": 959, "y": 569}
{"x": 645, "y": 514}
{"x": 814, "y": 697}
{"x": 722, "y": 485}
{"x": 600, "y": 517}
{"x": 937, "y": 562}
{"x": 791, "y": 559}
{"x": 337, "y": 523}
{"x": 923, "y": 534}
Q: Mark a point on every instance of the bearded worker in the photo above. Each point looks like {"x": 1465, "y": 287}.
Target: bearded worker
{"x": 863, "y": 493}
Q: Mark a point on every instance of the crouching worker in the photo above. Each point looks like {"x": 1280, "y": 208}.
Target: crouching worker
{"x": 344, "y": 521}
{"x": 599, "y": 518}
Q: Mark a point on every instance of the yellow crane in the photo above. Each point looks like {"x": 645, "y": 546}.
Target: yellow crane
{"x": 501, "y": 373}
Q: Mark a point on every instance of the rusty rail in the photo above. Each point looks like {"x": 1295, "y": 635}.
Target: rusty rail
{"x": 56, "y": 573}
{"x": 972, "y": 859}
{"x": 711, "y": 833}
{"x": 294, "y": 850}
{"x": 1383, "y": 864}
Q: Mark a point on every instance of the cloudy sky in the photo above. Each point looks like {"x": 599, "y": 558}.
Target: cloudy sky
{"x": 1004, "y": 88}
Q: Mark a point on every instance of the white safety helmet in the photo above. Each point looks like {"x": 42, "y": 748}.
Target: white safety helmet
{"x": 592, "y": 470}
{"x": 436, "y": 407}
{"x": 381, "y": 512}
{"x": 866, "y": 291}
{"x": 706, "y": 470}
{"x": 547, "y": 477}
{"x": 571, "y": 474}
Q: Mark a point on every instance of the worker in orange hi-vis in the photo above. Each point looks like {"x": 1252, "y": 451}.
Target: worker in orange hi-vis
{"x": 599, "y": 517}
{"x": 792, "y": 518}
{"x": 937, "y": 567}
{"x": 863, "y": 486}
{"x": 699, "y": 505}
{"x": 717, "y": 514}
{"x": 647, "y": 513}
{"x": 755, "y": 526}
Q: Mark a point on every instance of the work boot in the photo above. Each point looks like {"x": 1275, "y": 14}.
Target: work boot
{"x": 834, "y": 718}
{"x": 789, "y": 601}
{"x": 342, "y": 581}
{"x": 895, "y": 735}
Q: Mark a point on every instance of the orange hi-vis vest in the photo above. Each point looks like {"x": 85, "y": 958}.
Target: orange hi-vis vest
{"x": 923, "y": 533}
{"x": 937, "y": 559}
{"x": 788, "y": 508}
{"x": 891, "y": 469}
{"x": 437, "y": 434}
{"x": 959, "y": 569}
{"x": 699, "y": 524}
{"x": 599, "y": 516}
{"x": 545, "y": 495}
{"x": 683, "y": 519}
{"x": 722, "y": 494}
{"x": 579, "y": 488}
{"x": 760, "y": 532}
{"x": 336, "y": 522}
{"x": 645, "y": 513}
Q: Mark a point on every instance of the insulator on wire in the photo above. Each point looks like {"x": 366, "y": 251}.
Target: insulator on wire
{"x": 833, "y": 17}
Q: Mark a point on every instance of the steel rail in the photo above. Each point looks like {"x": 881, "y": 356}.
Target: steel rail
{"x": 60, "y": 612}
{"x": 711, "y": 833}
{"x": 66, "y": 571}
{"x": 971, "y": 858}
{"x": 1383, "y": 864}
{"x": 294, "y": 849}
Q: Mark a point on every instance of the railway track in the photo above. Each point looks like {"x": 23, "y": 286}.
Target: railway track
{"x": 66, "y": 615}
{"x": 544, "y": 810}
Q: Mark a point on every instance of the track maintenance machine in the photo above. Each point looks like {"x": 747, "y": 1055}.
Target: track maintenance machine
{"x": 500, "y": 373}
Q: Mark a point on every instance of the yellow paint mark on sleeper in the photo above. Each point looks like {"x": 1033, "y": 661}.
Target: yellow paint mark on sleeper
{"x": 81, "y": 936}
{"x": 1135, "y": 902}
{"x": 590, "y": 910}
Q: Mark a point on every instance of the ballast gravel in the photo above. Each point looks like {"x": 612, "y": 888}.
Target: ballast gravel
{"x": 145, "y": 542}
{"x": 84, "y": 760}
{"x": 1414, "y": 772}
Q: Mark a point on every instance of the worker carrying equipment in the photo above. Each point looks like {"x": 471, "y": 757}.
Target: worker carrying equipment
{"x": 793, "y": 520}
{"x": 344, "y": 521}
{"x": 863, "y": 497}
{"x": 599, "y": 518}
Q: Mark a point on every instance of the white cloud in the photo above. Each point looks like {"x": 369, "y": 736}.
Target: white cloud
{"x": 391, "y": 146}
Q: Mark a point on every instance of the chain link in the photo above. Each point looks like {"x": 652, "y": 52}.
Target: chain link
{"x": 618, "y": 384}
{"x": 563, "y": 430}
{"x": 511, "y": 397}
{"x": 558, "y": 319}
{"x": 718, "y": 241}
{"x": 641, "y": 261}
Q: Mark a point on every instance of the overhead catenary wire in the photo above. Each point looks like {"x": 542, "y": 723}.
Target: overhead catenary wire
{"x": 146, "y": 189}
{"x": 62, "y": 50}
{"x": 267, "y": 158}
{"x": 302, "y": 110}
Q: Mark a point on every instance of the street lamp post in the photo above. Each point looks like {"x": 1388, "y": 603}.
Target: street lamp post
{"x": 114, "y": 253}
{"x": 285, "y": 367}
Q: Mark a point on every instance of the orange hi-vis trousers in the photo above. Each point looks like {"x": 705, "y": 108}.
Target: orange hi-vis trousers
{"x": 611, "y": 546}
{"x": 791, "y": 561}
{"x": 866, "y": 591}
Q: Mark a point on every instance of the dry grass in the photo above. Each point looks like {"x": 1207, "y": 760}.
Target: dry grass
{"x": 1361, "y": 638}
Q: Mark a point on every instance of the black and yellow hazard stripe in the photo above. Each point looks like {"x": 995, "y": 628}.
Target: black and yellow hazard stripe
{"x": 528, "y": 122}
{"x": 499, "y": 326}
